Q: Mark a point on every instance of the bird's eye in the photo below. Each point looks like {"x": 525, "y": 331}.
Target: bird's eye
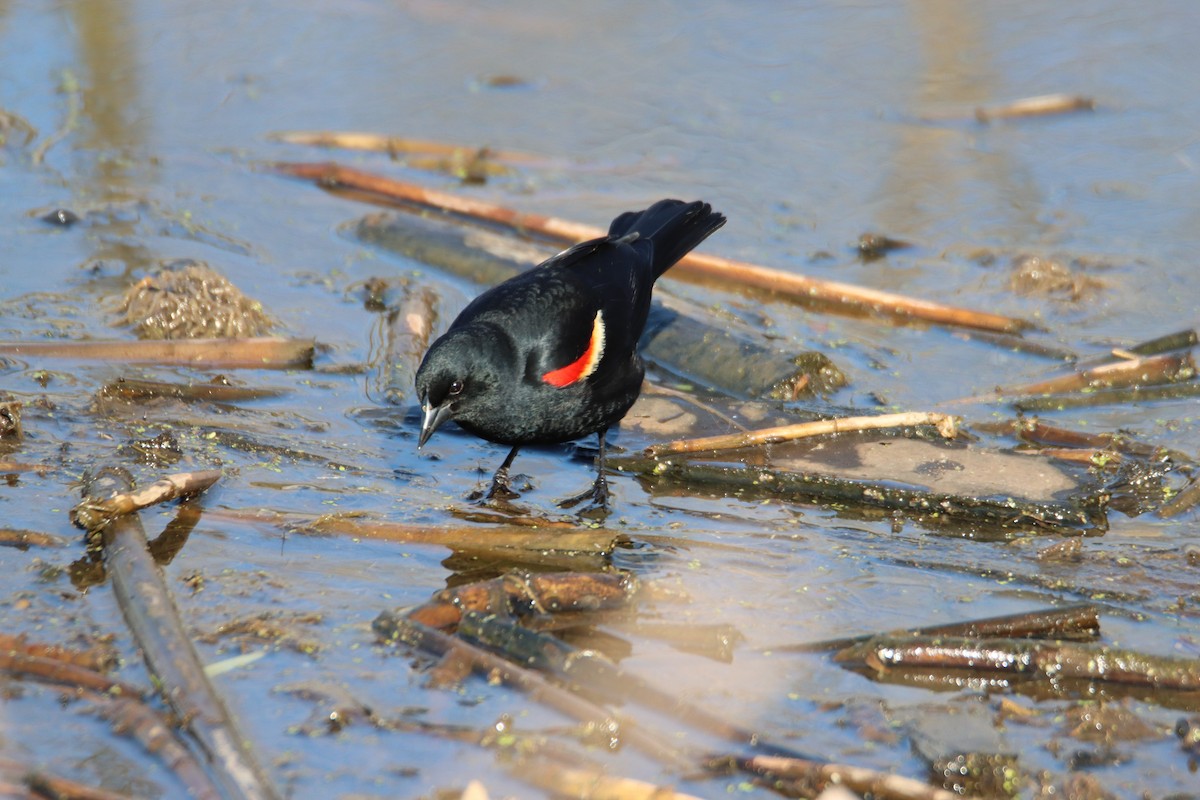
{"x": 456, "y": 388}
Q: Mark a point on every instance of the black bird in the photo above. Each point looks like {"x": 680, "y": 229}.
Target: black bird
{"x": 551, "y": 355}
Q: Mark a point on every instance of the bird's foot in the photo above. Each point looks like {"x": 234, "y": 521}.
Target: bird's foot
{"x": 501, "y": 489}
{"x": 598, "y": 496}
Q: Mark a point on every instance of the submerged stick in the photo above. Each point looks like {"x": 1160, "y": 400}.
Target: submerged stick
{"x": 1107, "y": 397}
{"x": 946, "y": 424}
{"x": 621, "y": 731}
{"x": 150, "y": 612}
{"x": 727, "y": 273}
{"x": 1058, "y": 661}
{"x": 1187, "y": 499}
{"x": 133, "y": 718}
{"x": 1077, "y": 622}
{"x": 594, "y": 672}
{"x": 815, "y": 776}
{"x": 262, "y": 352}
{"x": 550, "y": 536}
{"x": 595, "y": 783}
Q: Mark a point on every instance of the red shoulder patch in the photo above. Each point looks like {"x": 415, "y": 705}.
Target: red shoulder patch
{"x": 583, "y": 366}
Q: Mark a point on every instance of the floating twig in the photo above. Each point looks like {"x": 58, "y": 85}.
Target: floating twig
{"x": 97, "y": 658}
{"x": 398, "y": 145}
{"x": 21, "y": 466}
{"x": 1040, "y": 106}
{"x": 150, "y": 612}
{"x": 131, "y": 389}
{"x": 1146, "y": 371}
{"x": 263, "y": 352}
{"x": 22, "y": 539}
{"x": 946, "y": 425}
{"x": 91, "y": 513}
{"x": 1139, "y": 372}
{"x": 727, "y": 273}
{"x": 53, "y": 670}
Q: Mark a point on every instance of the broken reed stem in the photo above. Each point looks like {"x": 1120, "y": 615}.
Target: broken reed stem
{"x": 150, "y": 612}
{"x": 92, "y": 514}
{"x": 1078, "y": 622}
{"x": 946, "y": 425}
{"x": 262, "y": 352}
{"x": 729, "y": 274}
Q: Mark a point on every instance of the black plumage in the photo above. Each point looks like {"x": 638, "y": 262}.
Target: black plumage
{"x": 551, "y": 355}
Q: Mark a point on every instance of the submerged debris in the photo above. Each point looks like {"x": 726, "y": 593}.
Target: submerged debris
{"x": 872, "y": 246}
{"x": 1036, "y": 275}
{"x": 190, "y": 300}
{"x": 1039, "y": 106}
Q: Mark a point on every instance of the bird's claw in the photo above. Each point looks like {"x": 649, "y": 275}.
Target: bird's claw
{"x": 598, "y": 495}
{"x": 501, "y": 489}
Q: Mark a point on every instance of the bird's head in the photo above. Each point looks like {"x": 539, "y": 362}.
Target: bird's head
{"x": 456, "y": 379}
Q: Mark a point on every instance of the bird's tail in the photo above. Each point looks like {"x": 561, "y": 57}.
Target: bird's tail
{"x": 674, "y": 227}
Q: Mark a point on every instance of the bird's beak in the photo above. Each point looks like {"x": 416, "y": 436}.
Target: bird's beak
{"x": 433, "y": 418}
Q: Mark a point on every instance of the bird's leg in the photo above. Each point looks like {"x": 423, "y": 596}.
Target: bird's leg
{"x": 598, "y": 494}
{"x": 500, "y": 485}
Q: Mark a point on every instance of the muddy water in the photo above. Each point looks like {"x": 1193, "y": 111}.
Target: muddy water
{"x": 806, "y": 126}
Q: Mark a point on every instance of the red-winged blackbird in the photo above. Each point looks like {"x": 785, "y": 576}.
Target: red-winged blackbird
{"x": 551, "y": 355}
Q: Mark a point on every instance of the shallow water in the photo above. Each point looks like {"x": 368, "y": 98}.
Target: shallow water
{"x": 806, "y": 126}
